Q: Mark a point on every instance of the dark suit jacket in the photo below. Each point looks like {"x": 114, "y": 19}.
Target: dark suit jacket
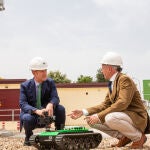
{"x": 28, "y": 95}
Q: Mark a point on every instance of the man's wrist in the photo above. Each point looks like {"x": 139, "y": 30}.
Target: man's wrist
{"x": 51, "y": 104}
{"x": 96, "y": 115}
{"x": 35, "y": 111}
{"x": 85, "y": 112}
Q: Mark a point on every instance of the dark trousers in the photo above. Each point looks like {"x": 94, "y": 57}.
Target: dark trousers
{"x": 30, "y": 122}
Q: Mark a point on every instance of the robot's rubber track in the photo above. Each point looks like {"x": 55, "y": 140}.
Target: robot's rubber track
{"x": 34, "y": 140}
{"x": 82, "y": 141}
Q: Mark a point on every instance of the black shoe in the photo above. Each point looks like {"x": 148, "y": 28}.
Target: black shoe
{"x": 26, "y": 143}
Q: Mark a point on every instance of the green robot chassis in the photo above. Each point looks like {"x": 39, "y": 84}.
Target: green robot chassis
{"x": 70, "y": 138}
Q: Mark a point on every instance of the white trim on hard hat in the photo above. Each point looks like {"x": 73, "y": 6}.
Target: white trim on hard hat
{"x": 112, "y": 58}
{"x": 38, "y": 63}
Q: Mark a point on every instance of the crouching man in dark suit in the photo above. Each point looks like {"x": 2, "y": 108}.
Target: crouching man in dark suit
{"x": 37, "y": 96}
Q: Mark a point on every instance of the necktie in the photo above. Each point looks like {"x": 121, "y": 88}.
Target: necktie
{"x": 109, "y": 86}
{"x": 38, "y": 97}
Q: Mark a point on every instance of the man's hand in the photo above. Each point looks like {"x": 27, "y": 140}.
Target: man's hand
{"x": 76, "y": 114}
{"x": 49, "y": 109}
{"x": 40, "y": 112}
{"x": 92, "y": 119}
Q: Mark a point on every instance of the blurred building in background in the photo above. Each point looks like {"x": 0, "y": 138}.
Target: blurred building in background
{"x": 72, "y": 96}
{"x": 2, "y": 5}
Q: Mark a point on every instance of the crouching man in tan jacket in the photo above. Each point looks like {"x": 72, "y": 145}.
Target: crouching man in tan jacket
{"x": 122, "y": 114}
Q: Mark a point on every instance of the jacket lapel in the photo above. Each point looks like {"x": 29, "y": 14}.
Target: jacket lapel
{"x": 113, "y": 95}
{"x": 33, "y": 89}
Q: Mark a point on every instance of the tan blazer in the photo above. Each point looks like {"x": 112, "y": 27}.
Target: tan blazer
{"x": 124, "y": 98}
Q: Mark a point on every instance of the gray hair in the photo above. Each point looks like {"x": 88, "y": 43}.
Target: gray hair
{"x": 117, "y": 68}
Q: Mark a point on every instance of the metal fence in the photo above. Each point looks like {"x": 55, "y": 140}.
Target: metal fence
{"x": 9, "y": 113}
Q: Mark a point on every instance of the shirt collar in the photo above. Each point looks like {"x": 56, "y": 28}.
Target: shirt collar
{"x": 113, "y": 77}
{"x": 36, "y": 83}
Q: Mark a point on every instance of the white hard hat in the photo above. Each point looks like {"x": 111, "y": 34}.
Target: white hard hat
{"x": 112, "y": 58}
{"x": 38, "y": 63}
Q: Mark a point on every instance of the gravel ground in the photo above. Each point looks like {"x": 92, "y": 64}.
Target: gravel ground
{"x": 16, "y": 143}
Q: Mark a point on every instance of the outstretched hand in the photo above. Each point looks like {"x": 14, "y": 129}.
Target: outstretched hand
{"x": 76, "y": 114}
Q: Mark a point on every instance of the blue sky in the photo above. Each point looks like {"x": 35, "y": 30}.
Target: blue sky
{"x": 73, "y": 35}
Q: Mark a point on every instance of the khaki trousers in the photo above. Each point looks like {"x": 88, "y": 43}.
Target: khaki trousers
{"x": 118, "y": 124}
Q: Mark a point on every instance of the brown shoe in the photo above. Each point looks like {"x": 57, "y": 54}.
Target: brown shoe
{"x": 139, "y": 144}
{"x": 122, "y": 142}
